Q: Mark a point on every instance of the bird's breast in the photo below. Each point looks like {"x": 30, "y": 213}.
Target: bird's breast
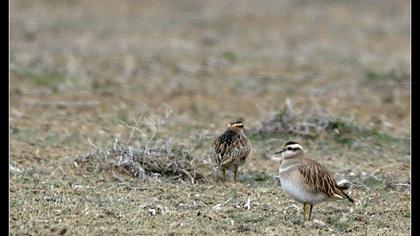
{"x": 293, "y": 183}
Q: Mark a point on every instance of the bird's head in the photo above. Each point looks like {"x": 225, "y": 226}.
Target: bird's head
{"x": 237, "y": 124}
{"x": 291, "y": 149}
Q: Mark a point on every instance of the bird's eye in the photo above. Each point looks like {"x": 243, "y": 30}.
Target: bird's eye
{"x": 289, "y": 148}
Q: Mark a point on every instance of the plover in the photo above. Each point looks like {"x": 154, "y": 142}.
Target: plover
{"x": 305, "y": 180}
{"x": 231, "y": 149}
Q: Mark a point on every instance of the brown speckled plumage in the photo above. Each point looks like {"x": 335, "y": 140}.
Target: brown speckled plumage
{"x": 317, "y": 176}
{"x": 306, "y": 180}
{"x": 231, "y": 149}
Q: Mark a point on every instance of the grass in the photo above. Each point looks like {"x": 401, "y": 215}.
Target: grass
{"x": 374, "y": 76}
{"x": 48, "y": 79}
{"x": 80, "y": 80}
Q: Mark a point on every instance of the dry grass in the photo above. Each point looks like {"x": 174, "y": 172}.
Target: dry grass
{"x": 148, "y": 156}
{"x": 164, "y": 77}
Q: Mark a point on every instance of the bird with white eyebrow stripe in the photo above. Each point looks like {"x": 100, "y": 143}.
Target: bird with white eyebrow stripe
{"x": 305, "y": 180}
{"x": 231, "y": 149}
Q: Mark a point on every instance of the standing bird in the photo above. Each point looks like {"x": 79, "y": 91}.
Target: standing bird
{"x": 231, "y": 149}
{"x": 305, "y": 180}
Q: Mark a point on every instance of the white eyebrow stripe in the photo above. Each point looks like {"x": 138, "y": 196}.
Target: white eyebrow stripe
{"x": 295, "y": 146}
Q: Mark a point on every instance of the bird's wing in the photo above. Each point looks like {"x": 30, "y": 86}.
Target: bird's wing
{"x": 317, "y": 176}
{"x": 230, "y": 146}
{"x": 240, "y": 148}
{"x": 220, "y": 151}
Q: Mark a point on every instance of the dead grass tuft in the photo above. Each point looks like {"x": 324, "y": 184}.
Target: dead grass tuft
{"x": 141, "y": 163}
{"x": 317, "y": 123}
{"x": 310, "y": 123}
{"x": 148, "y": 156}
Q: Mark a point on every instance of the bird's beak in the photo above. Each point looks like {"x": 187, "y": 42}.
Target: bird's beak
{"x": 277, "y": 158}
{"x": 279, "y": 152}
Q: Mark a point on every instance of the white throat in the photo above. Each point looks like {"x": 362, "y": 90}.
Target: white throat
{"x": 290, "y": 154}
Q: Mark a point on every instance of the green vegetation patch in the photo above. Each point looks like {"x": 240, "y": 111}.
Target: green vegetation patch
{"x": 45, "y": 78}
{"x": 316, "y": 124}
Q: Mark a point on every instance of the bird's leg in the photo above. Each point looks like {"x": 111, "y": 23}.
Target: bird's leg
{"x": 235, "y": 174}
{"x": 304, "y": 211}
{"x": 310, "y": 211}
{"x": 224, "y": 174}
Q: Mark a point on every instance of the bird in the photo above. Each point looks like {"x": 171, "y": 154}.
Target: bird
{"x": 306, "y": 180}
{"x": 231, "y": 149}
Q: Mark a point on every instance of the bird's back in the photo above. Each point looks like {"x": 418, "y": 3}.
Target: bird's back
{"x": 320, "y": 179}
{"x": 230, "y": 147}
{"x": 312, "y": 177}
